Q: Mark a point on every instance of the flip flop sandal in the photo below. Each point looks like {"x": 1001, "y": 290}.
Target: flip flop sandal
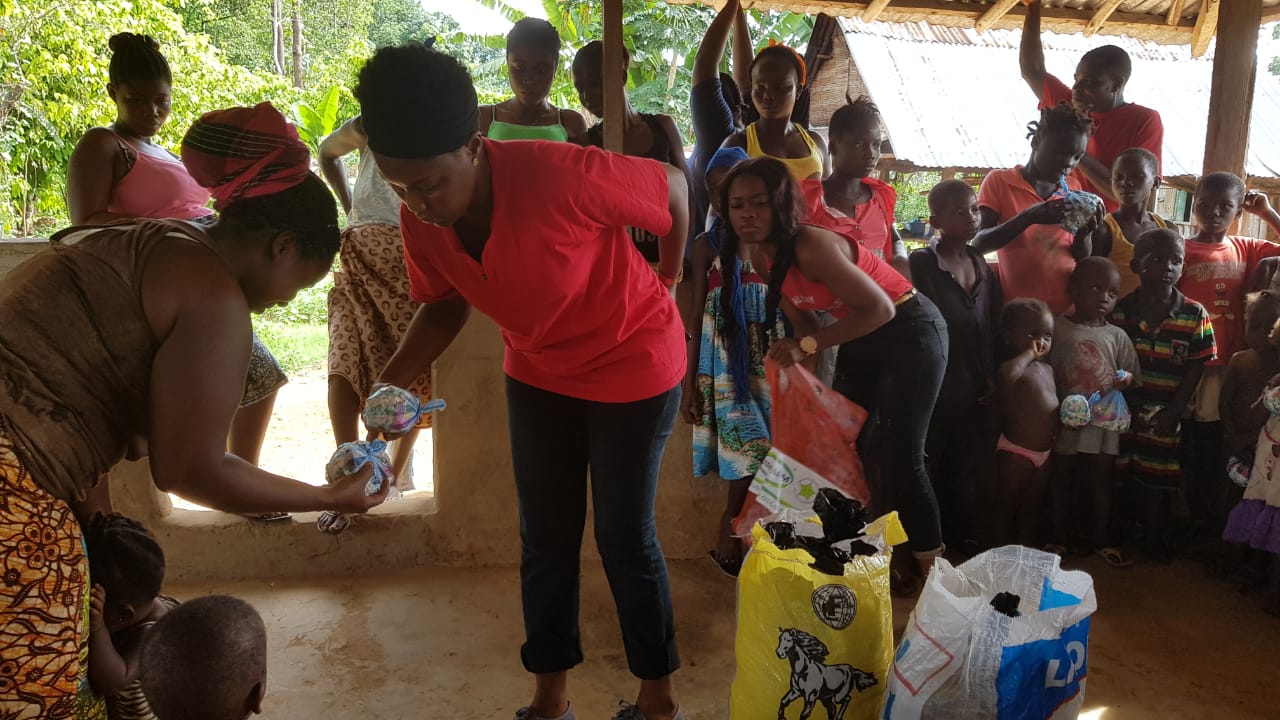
{"x": 270, "y": 516}
{"x": 728, "y": 567}
{"x": 1114, "y": 557}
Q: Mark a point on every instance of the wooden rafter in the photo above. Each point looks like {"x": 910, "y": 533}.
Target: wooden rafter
{"x": 1100, "y": 17}
{"x": 1206, "y": 26}
{"x": 1175, "y": 11}
{"x": 874, "y": 8}
{"x": 993, "y": 14}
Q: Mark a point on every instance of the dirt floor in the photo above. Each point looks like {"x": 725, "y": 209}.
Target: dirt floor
{"x": 443, "y": 643}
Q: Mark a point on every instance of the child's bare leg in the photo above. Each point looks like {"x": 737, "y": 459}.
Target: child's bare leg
{"x": 401, "y": 454}
{"x": 249, "y": 429}
{"x": 1012, "y": 475}
{"x": 1155, "y": 520}
{"x": 729, "y": 549}
{"x": 1063, "y": 477}
{"x": 344, "y": 410}
{"x": 1031, "y": 506}
{"x": 1095, "y": 471}
{"x": 1273, "y": 587}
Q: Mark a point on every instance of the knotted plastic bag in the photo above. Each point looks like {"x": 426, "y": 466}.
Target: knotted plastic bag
{"x": 1081, "y": 207}
{"x": 1004, "y": 636}
{"x": 815, "y": 434}
{"x": 347, "y": 460}
{"x": 811, "y": 634}
{"x": 396, "y": 411}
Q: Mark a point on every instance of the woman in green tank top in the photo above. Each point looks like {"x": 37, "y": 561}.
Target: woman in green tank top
{"x": 533, "y": 55}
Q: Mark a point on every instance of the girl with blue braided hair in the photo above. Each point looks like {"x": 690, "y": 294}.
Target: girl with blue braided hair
{"x": 726, "y": 397}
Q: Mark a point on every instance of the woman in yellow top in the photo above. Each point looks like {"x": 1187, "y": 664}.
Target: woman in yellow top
{"x": 533, "y": 56}
{"x": 1134, "y": 178}
{"x": 777, "y": 77}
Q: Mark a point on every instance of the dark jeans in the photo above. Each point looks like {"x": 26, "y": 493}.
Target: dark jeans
{"x": 896, "y": 372}
{"x": 554, "y": 441}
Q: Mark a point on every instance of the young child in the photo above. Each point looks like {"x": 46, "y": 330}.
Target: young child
{"x": 1173, "y": 339}
{"x": 206, "y": 660}
{"x": 1100, "y": 80}
{"x": 126, "y": 565}
{"x": 1255, "y": 520}
{"x": 726, "y": 396}
{"x": 855, "y": 135}
{"x": 1029, "y": 414}
{"x": 956, "y": 278}
{"x": 1246, "y": 376}
{"x": 1086, "y": 356}
{"x": 1134, "y": 177}
{"x": 1217, "y": 275}
{"x": 1023, "y": 210}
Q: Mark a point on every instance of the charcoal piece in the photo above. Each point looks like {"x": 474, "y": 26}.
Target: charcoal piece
{"x": 842, "y": 518}
{"x": 782, "y": 534}
{"x": 1006, "y": 603}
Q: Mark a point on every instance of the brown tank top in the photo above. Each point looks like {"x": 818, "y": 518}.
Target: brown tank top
{"x": 76, "y": 351}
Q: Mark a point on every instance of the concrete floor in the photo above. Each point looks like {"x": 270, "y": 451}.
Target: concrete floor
{"x": 443, "y": 643}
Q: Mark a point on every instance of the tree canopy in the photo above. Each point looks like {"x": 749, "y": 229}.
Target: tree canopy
{"x": 301, "y": 55}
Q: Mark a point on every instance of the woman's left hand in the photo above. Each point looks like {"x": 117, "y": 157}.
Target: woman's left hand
{"x": 786, "y": 352}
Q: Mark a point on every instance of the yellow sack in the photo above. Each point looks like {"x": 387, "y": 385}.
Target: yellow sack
{"x": 807, "y": 639}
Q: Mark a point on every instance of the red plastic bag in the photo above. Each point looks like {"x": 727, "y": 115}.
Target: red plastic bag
{"x": 815, "y": 434}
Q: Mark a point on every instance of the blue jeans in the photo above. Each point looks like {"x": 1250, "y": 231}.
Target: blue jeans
{"x": 555, "y": 439}
{"x": 897, "y": 372}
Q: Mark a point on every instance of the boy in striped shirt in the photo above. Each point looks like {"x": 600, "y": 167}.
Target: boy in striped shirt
{"x": 1174, "y": 338}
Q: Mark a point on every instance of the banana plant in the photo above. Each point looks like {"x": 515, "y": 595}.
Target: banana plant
{"x": 315, "y": 124}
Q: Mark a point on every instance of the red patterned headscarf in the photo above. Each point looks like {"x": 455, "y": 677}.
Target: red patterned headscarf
{"x": 242, "y": 153}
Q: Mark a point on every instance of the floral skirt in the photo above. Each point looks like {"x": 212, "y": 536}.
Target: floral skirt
{"x": 44, "y": 602}
{"x": 370, "y": 309}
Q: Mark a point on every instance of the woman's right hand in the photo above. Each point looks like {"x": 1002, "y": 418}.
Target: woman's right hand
{"x": 348, "y": 495}
{"x": 1050, "y": 212}
{"x": 691, "y": 404}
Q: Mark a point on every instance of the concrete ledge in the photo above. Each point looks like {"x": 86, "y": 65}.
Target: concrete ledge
{"x": 15, "y": 251}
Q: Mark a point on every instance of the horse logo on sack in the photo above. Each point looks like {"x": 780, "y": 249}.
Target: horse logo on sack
{"x": 814, "y": 682}
{"x": 835, "y": 605}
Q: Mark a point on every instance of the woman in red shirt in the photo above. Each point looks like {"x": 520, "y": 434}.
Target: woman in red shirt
{"x": 893, "y": 342}
{"x": 534, "y": 235}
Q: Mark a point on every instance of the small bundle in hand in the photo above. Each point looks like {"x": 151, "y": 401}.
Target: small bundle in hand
{"x": 347, "y": 460}
{"x": 396, "y": 411}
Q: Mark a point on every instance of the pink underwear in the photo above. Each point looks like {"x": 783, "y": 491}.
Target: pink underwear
{"x": 1037, "y": 459}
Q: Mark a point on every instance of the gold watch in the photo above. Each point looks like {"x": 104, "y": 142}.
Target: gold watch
{"x": 809, "y": 345}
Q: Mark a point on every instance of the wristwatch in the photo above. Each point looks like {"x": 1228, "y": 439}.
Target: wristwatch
{"x": 809, "y": 345}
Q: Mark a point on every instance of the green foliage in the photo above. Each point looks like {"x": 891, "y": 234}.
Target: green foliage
{"x": 314, "y": 124}
{"x": 309, "y": 307}
{"x": 297, "y": 348}
{"x": 913, "y": 190}
{"x": 53, "y": 75}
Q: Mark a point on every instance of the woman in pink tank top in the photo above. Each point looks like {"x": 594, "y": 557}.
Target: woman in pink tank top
{"x": 117, "y": 172}
{"x": 893, "y": 342}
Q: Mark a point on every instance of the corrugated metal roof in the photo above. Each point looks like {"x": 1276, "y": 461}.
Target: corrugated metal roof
{"x": 953, "y": 98}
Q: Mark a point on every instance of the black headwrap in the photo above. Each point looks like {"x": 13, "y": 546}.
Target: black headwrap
{"x": 436, "y": 116}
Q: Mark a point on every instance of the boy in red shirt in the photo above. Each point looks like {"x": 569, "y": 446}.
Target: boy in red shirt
{"x": 1098, "y": 89}
{"x": 1217, "y": 275}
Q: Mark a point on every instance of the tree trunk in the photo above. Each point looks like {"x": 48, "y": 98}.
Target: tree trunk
{"x": 277, "y": 35}
{"x": 297, "y": 43}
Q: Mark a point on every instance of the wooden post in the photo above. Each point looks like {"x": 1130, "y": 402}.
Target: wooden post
{"x": 949, "y": 174}
{"x": 614, "y": 77}
{"x": 1235, "y": 67}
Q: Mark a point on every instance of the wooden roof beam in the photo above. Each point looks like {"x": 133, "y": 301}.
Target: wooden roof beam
{"x": 1100, "y": 17}
{"x": 1175, "y": 12}
{"x": 1206, "y": 26}
{"x": 993, "y": 14}
{"x": 874, "y": 8}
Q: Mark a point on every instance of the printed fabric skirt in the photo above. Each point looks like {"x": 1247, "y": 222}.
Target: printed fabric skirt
{"x": 44, "y": 603}
{"x": 733, "y": 437}
{"x": 265, "y": 376}
{"x": 370, "y": 309}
